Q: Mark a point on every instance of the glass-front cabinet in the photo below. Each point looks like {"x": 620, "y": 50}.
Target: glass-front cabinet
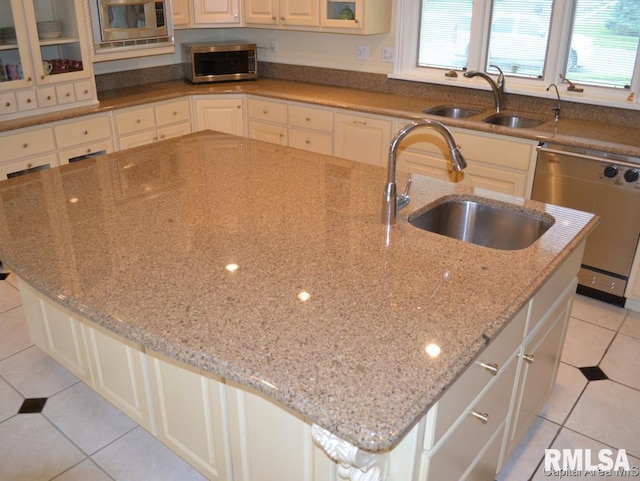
{"x": 44, "y": 60}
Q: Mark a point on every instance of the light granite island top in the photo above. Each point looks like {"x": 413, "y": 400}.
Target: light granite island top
{"x": 140, "y": 241}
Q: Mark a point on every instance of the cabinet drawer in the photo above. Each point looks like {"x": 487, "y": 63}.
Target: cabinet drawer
{"x": 8, "y": 104}
{"x": 470, "y": 436}
{"x": 47, "y": 97}
{"x": 132, "y": 121}
{"x": 65, "y": 94}
{"x": 83, "y": 90}
{"x": 317, "y": 142}
{"x": 33, "y": 142}
{"x": 24, "y": 166}
{"x": 495, "y": 150}
{"x": 81, "y": 132}
{"x": 475, "y": 378}
{"x": 86, "y": 151}
{"x": 311, "y": 118}
{"x": 173, "y": 112}
{"x": 174, "y": 131}
{"x": 27, "y": 100}
{"x": 267, "y": 110}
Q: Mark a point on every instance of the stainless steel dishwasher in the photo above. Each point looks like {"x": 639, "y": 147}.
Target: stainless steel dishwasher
{"x": 609, "y": 186}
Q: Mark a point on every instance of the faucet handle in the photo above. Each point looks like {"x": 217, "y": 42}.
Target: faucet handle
{"x": 403, "y": 199}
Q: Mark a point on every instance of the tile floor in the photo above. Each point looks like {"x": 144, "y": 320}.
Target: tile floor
{"x": 80, "y": 437}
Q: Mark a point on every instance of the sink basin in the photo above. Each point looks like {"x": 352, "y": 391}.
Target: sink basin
{"x": 513, "y": 121}
{"x": 452, "y": 111}
{"x": 483, "y": 222}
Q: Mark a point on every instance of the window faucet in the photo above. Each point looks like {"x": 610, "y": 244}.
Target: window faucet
{"x": 556, "y": 111}
{"x": 393, "y": 202}
{"x": 496, "y": 86}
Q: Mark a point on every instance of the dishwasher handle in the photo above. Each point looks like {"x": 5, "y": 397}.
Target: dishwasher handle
{"x": 626, "y": 161}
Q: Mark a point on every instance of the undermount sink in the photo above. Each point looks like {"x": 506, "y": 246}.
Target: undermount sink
{"x": 483, "y": 222}
{"x": 452, "y": 111}
{"x": 513, "y": 121}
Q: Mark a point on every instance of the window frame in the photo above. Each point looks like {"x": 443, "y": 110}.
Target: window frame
{"x": 407, "y": 31}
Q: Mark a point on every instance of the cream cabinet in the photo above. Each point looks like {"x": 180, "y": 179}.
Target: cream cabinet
{"x": 206, "y": 13}
{"x": 495, "y": 162}
{"x": 361, "y": 137}
{"x": 220, "y": 113}
{"x": 311, "y": 128}
{"x": 88, "y": 137}
{"x": 45, "y": 65}
{"x": 268, "y": 120}
{"x": 26, "y": 151}
{"x": 152, "y": 122}
{"x": 282, "y": 13}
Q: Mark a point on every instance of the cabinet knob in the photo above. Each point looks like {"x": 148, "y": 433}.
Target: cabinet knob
{"x": 281, "y": 134}
{"x": 491, "y": 367}
{"x": 86, "y": 91}
{"x": 529, "y": 358}
{"x": 88, "y": 151}
{"x": 175, "y": 113}
{"x": 85, "y": 132}
{"x": 282, "y": 18}
{"x": 264, "y": 111}
{"x": 25, "y": 145}
{"x": 273, "y": 18}
{"x": 162, "y": 136}
{"x": 41, "y": 77}
{"x": 29, "y": 101}
{"x": 308, "y": 118}
{"x": 68, "y": 94}
{"x": 307, "y": 141}
{"x": 483, "y": 417}
{"x": 137, "y": 121}
{"x": 155, "y": 137}
{"x": 48, "y": 97}
{"x": 29, "y": 165}
{"x": 7, "y": 104}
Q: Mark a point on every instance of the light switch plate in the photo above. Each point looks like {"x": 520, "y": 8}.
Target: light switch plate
{"x": 362, "y": 52}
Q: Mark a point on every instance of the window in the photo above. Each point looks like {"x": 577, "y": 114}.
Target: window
{"x": 593, "y": 43}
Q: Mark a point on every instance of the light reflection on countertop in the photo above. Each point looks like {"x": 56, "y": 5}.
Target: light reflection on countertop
{"x": 147, "y": 251}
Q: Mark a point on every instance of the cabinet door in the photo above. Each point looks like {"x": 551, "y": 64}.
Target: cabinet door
{"x": 362, "y": 138}
{"x": 180, "y": 15}
{"x": 220, "y": 114}
{"x": 213, "y": 12}
{"x": 262, "y": 12}
{"x": 136, "y": 140}
{"x": 300, "y": 12}
{"x": 271, "y": 442}
{"x": 172, "y": 112}
{"x": 492, "y": 178}
{"x": 540, "y": 359}
{"x": 191, "y": 416}
{"x": 117, "y": 370}
{"x": 174, "y": 131}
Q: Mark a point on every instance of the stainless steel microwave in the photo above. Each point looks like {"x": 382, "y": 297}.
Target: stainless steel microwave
{"x": 219, "y": 62}
{"x": 132, "y": 19}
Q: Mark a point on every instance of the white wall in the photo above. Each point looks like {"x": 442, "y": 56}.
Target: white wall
{"x": 295, "y": 48}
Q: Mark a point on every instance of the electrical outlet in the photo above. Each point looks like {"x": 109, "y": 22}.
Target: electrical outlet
{"x": 362, "y": 52}
{"x": 273, "y": 44}
{"x": 387, "y": 54}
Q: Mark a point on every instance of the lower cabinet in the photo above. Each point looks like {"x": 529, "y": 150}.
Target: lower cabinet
{"x": 363, "y": 138}
{"x": 220, "y": 113}
{"x": 632, "y": 292}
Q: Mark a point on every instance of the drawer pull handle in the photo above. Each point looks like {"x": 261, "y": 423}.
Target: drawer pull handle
{"x": 483, "y": 417}
{"x": 529, "y": 358}
{"x": 491, "y": 367}
{"x": 361, "y": 122}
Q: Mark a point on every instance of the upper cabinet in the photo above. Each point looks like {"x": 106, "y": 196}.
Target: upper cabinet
{"x": 206, "y": 13}
{"x": 44, "y": 61}
{"x": 283, "y": 13}
{"x": 363, "y": 17}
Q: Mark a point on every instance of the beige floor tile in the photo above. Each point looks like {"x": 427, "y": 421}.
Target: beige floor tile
{"x": 79, "y": 406}
{"x": 14, "y": 335}
{"x": 9, "y": 297}
{"x": 138, "y": 456}
{"x": 622, "y": 361}
{"x": 585, "y": 344}
{"x": 85, "y": 471}
{"x": 597, "y": 312}
{"x": 608, "y": 411}
{"x": 32, "y": 449}
{"x": 631, "y": 326}
{"x": 10, "y": 401}
{"x": 34, "y": 374}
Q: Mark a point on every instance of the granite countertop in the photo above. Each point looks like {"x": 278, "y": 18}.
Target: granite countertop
{"x": 138, "y": 242}
{"x": 580, "y": 133}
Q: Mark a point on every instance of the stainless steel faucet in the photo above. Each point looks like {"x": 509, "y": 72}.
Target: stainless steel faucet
{"x": 393, "y": 202}
{"x": 496, "y": 86}
{"x": 556, "y": 111}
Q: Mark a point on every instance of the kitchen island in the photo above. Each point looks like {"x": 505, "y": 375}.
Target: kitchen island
{"x": 265, "y": 271}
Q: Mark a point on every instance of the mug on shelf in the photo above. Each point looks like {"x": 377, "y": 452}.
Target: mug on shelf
{"x": 47, "y": 67}
{"x": 14, "y": 71}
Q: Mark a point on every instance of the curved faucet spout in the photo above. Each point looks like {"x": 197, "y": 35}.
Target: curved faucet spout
{"x": 497, "y": 86}
{"x": 392, "y": 202}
